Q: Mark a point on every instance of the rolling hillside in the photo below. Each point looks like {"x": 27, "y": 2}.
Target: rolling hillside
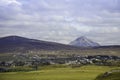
{"x": 21, "y": 44}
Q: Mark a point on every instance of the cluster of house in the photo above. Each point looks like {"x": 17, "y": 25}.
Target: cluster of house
{"x": 96, "y": 59}
{"x": 36, "y": 60}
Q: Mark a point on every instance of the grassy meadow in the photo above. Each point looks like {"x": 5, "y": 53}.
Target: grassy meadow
{"x": 89, "y": 72}
{"x": 112, "y": 76}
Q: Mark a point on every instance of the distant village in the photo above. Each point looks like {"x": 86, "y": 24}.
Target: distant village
{"x": 75, "y": 61}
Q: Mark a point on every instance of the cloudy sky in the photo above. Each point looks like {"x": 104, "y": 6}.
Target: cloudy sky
{"x": 62, "y": 20}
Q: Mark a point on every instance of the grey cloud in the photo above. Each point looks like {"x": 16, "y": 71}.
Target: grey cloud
{"x": 61, "y": 20}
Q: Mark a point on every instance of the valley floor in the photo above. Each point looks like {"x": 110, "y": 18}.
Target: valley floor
{"x": 89, "y": 72}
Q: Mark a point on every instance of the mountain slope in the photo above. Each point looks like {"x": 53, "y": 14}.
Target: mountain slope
{"x": 84, "y": 42}
{"x": 21, "y": 44}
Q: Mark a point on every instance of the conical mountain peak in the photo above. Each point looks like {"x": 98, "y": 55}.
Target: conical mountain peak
{"x": 84, "y": 42}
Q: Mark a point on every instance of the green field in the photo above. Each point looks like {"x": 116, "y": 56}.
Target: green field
{"x": 110, "y": 76}
{"x": 64, "y": 73}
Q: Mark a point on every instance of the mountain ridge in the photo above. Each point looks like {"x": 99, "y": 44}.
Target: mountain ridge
{"x": 16, "y": 43}
{"x": 21, "y": 45}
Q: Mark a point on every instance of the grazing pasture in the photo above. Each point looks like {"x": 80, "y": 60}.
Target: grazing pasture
{"x": 89, "y": 72}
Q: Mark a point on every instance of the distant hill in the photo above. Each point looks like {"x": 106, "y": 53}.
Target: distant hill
{"x": 84, "y": 42}
{"x": 21, "y": 44}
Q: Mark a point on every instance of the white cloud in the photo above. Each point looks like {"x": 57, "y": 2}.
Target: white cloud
{"x": 9, "y": 2}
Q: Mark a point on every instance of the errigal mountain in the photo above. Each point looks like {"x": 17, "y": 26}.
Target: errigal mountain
{"x": 15, "y": 47}
{"x": 84, "y": 42}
